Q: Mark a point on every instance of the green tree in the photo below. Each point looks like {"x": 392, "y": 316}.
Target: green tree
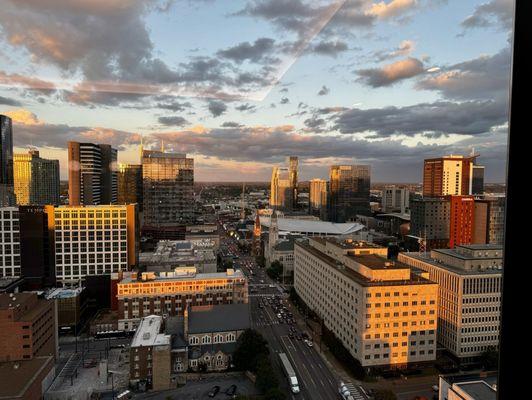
{"x": 251, "y": 346}
{"x": 385, "y": 395}
{"x": 489, "y": 359}
{"x": 275, "y": 270}
{"x": 266, "y": 379}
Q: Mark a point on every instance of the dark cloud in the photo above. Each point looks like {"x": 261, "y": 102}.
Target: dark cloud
{"x": 485, "y": 77}
{"x": 284, "y": 100}
{"x": 499, "y": 13}
{"x": 173, "y": 121}
{"x": 246, "y": 107}
{"x": 217, "y": 107}
{"x": 231, "y": 124}
{"x": 440, "y": 118}
{"x": 169, "y": 104}
{"x": 324, "y": 91}
{"x": 9, "y": 102}
{"x": 330, "y": 48}
{"x": 391, "y": 73}
{"x": 254, "y": 52}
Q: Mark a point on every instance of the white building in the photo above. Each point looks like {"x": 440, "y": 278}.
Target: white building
{"x": 395, "y": 199}
{"x": 382, "y": 312}
{"x": 469, "y": 278}
{"x": 9, "y": 242}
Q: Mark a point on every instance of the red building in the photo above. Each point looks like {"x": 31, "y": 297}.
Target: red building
{"x": 462, "y": 220}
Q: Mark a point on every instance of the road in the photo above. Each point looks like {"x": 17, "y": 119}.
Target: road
{"x": 316, "y": 381}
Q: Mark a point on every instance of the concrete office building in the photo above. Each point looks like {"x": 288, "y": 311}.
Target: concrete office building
{"x": 171, "y": 292}
{"x": 93, "y": 240}
{"x": 429, "y": 220}
{"x": 36, "y": 179}
{"x": 489, "y": 219}
{"x": 395, "y": 199}
{"x": 481, "y": 386}
{"x": 9, "y": 242}
{"x": 130, "y": 184}
{"x": 293, "y": 176}
{"x": 7, "y": 194}
{"x": 348, "y": 192}
{"x": 92, "y": 174}
{"x": 469, "y": 283}
{"x": 168, "y": 182}
{"x": 318, "y": 192}
{"x": 383, "y": 313}
{"x": 452, "y": 175}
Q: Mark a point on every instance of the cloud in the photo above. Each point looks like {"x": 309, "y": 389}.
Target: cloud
{"x": 484, "y": 77}
{"x": 391, "y": 73}
{"x": 438, "y": 118}
{"x": 499, "y": 13}
{"x": 393, "y": 8}
{"x": 284, "y": 100}
{"x": 217, "y": 108}
{"x": 255, "y": 52}
{"x": 246, "y": 107}
{"x": 329, "y": 48}
{"x": 324, "y": 91}
{"x": 17, "y": 80}
{"x": 173, "y": 121}
{"x": 9, "y": 102}
{"x": 231, "y": 124}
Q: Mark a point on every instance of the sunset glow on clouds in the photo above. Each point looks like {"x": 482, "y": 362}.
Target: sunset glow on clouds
{"x": 241, "y": 85}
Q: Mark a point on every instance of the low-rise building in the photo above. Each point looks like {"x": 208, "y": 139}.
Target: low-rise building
{"x": 168, "y": 255}
{"x": 169, "y": 293}
{"x": 383, "y": 312}
{"x": 481, "y": 386}
{"x": 469, "y": 279}
{"x": 71, "y": 307}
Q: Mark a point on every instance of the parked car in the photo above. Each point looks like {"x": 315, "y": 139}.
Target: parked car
{"x": 214, "y": 391}
{"x": 231, "y": 390}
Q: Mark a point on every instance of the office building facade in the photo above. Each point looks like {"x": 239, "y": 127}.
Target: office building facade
{"x": 469, "y": 282}
{"x": 168, "y": 182}
{"x": 36, "y": 179}
{"x": 130, "y": 184}
{"x": 395, "y": 199}
{"x": 383, "y": 313}
{"x": 348, "y": 192}
{"x": 9, "y": 242}
{"x": 7, "y": 195}
{"x": 318, "y": 191}
{"x": 281, "y": 191}
{"x": 92, "y": 174}
{"x": 170, "y": 293}
{"x": 93, "y": 240}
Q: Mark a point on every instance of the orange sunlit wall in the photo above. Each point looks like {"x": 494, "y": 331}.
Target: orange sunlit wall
{"x": 462, "y": 220}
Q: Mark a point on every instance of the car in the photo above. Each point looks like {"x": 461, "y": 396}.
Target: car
{"x": 214, "y": 391}
{"x": 231, "y": 390}
{"x": 291, "y": 335}
{"x": 309, "y": 343}
{"x": 298, "y": 337}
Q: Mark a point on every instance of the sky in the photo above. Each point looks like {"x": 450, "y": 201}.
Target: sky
{"x": 239, "y": 85}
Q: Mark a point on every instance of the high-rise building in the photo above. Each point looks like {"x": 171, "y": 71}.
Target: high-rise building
{"x": 36, "y": 179}
{"x": 168, "y": 182}
{"x": 462, "y": 220}
{"x": 7, "y": 195}
{"x": 92, "y": 174}
{"x": 380, "y": 310}
{"x": 93, "y": 240}
{"x": 429, "y": 221}
{"x": 348, "y": 192}
{"x": 477, "y": 180}
{"x": 469, "y": 283}
{"x": 451, "y": 175}
{"x": 318, "y": 197}
{"x": 281, "y": 193}
{"x": 395, "y": 199}
{"x": 130, "y": 184}
{"x": 497, "y": 212}
{"x": 9, "y": 242}
{"x": 293, "y": 176}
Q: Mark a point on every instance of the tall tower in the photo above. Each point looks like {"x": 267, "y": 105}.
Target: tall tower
{"x": 7, "y": 194}
{"x": 348, "y": 192}
{"x": 452, "y": 175}
{"x": 36, "y": 179}
{"x": 273, "y": 232}
{"x": 292, "y": 176}
{"x": 256, "y": 249}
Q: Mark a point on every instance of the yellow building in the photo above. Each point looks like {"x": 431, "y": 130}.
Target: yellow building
{"x": 36, "y": 180}
{"x": 382, "y": 312}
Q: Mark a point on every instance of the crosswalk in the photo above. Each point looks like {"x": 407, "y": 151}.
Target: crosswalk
{"x": 260, "y": 323}
{"x": 355, "y": 391}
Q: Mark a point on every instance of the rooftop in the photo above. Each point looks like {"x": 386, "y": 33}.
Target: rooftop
{"x": 219, "y": 318}
{"x": 478, "y": 390}
{"x": 313, "y": 227}
{"x": 426, "y": 257}
{"x": 374, "y": 261}
{"x": 63, "y": 293}
{"x": 348, "y": 243}
{"x": 147, "y": 333}
{"x": 20, "y": 375}
{"x": 176, "y": 276}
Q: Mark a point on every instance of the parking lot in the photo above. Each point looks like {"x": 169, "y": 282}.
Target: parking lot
{"x": 199, "y": 390}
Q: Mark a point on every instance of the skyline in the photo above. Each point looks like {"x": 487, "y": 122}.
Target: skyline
{"x": 329, "y": 82}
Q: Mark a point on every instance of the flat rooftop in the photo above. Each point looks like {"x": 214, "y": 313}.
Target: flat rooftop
{"x": 313, "y": 227}
{"x": 236, "y": 274}
{"x": 359, "y": 278}
{"x": 21, "y": 374}
{"x": 219, "y": 318}
{"x": 147, "y": 333}
{"x": 375, "y": 261}
{"x": 347, "y": 243}
{"x": 478, "y": 390}
{"x": 425, "y": 257}
{"x": 63, "y": 293}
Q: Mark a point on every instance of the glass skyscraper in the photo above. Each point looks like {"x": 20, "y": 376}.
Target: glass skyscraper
{"x": 36, "y": 179}
{"x": 7, "y": 197}
{"x": 348, "y": 192}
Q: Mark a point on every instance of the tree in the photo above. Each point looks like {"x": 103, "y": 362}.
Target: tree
{"x": 261, "y": 261}
{"x": 489, "y": 359}
{"x": 251, "y": 346}
{"x": 275, "y": 270}
{"x": 266, "y": 379}
{"x": 384, "y": 395}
